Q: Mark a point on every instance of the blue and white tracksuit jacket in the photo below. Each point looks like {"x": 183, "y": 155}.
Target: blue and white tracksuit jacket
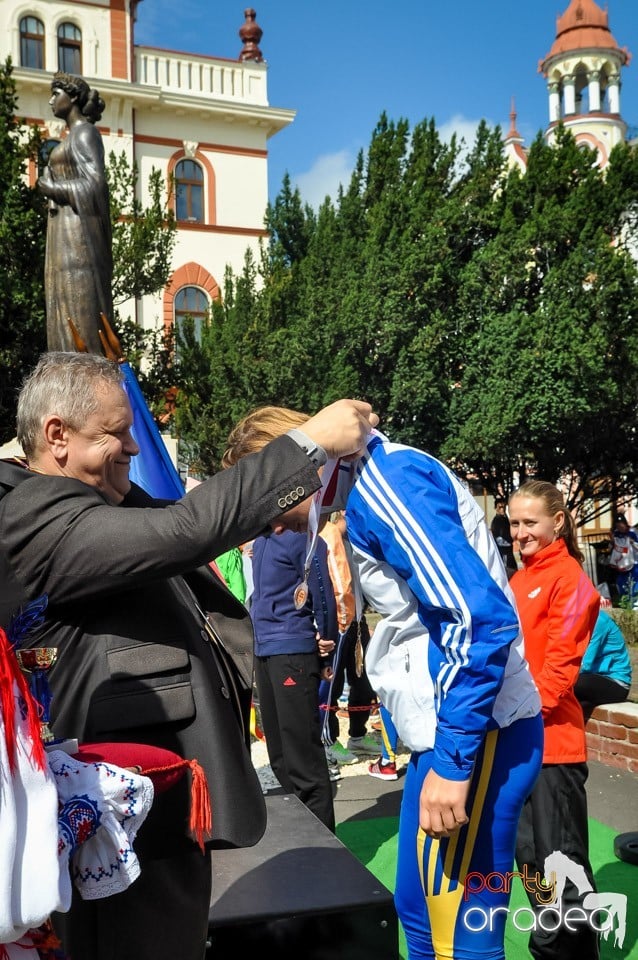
{"x": 447, "y": 661}
{"x": 447, "y": 658}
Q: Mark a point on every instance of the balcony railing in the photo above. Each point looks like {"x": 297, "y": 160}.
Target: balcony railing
{"x": 183, "y": 73}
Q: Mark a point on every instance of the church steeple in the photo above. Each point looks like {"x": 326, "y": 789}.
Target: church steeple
{"x": 582, "y": 70}
{"x": 514, "y": 143}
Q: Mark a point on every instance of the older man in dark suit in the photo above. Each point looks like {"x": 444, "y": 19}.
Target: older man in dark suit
{"x": 152, "y": 647}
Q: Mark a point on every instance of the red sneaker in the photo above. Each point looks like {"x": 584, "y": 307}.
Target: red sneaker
{"x": 383, "y": 771}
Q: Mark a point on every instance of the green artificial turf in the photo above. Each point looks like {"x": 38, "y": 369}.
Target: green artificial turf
{"x": 374, "y": 843}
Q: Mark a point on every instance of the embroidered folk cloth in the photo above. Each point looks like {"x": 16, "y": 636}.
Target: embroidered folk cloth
{"x": 102, "y": 808}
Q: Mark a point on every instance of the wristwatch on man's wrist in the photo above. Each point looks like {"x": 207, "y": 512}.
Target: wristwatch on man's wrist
{"x": 315, "y": 453}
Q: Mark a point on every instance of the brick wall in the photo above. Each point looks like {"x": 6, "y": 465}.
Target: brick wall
{"x": 612, "y": 735}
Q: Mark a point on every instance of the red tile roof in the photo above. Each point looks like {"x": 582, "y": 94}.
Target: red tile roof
{"x": 584, "y": 26}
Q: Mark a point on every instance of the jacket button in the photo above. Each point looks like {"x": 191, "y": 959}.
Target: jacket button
{"x": 288, "y": 500}
{"x": 295, "y": 496}
{"x": 300, "y": 491}
{"x": 203, "y": 635}
{"x": 224, "y": 692}
{"x": 281, "y": 502}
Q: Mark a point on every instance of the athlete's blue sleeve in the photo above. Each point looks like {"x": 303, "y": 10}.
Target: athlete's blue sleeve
{"x": 404, "y": 510}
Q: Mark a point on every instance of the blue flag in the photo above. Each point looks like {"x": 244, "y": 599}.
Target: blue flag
{"x": 152, "y": 469}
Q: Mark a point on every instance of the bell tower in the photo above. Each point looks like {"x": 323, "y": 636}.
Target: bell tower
{"x": 582, "y": 70}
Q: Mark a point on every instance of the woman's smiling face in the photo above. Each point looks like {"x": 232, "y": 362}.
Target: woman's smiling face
{"x": 531, "y": 526}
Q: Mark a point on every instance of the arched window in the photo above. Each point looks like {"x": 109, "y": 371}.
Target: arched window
{"x": 44, "y": 153}
{"x": 191, "y": 302}
{"x": 32, "y": 43}
{"x": 189, "y": 191}
{"x": 69, "y": 48}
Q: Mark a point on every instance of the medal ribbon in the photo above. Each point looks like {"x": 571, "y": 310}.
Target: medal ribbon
{"x": 328, "y": 488}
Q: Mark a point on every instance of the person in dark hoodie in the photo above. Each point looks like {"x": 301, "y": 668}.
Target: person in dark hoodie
{"x": 500, "y": 529}
{"x": 291, "y": 612}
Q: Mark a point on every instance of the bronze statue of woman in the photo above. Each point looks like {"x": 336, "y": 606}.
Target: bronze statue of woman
{"x": 78, "y": 270}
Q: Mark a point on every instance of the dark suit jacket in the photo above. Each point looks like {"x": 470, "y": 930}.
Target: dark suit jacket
{"x": 135, "y": 663}
{"x": 12, "y": 472}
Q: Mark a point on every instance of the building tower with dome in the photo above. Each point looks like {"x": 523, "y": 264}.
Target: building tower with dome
{"x": 583, "y": 73}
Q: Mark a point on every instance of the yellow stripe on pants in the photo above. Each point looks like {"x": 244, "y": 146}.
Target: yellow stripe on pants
{"x": 443, "y": 906}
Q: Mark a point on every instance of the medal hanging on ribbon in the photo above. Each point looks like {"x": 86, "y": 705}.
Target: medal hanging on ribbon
{"x": 300, "y": 595}
{"x": 335, "y": 487}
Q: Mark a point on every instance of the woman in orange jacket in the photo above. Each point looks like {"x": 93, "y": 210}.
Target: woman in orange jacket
{"x": 558, "y": 605}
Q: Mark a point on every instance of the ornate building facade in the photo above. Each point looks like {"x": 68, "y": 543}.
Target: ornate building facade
{"x": 204, "y": 122}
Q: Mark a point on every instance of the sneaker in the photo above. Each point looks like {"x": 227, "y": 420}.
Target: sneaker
{"x": 333, "y": 770}
{"x": 383, "y": 771}
{"x": 337, "y": 752}
{"x": 366, "y": 745}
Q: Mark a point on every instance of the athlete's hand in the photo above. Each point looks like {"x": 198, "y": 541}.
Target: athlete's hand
{"x": 342, "y": 429}
{"x": 442, "y": 805}
{"x": 325, "y": 646}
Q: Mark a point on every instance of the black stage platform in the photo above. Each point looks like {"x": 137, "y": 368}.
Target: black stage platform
{"x": 301, "y": 893}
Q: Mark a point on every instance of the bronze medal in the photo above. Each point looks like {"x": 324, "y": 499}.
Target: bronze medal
{"x": 300, "y": 595}
{"x": 358, "y": 655}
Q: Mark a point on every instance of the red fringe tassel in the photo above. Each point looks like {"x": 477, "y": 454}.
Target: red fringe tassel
{"x": 10, "y": 673}
{"x": 201, "y": 819}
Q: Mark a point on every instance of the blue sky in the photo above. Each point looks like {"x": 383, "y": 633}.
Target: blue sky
{"x": 340, "y": 63}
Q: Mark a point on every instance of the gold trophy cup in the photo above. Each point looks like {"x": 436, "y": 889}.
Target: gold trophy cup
{"x": 36, "y": 663}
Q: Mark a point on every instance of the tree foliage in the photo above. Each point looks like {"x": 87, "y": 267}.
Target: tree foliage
{"x": 143, "y": 236}
{"x": 22, "y": 238}
{"x": 550, "y": 344}
{"x": 489, "y": 316}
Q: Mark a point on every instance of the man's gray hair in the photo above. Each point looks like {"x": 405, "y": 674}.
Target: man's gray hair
{"x": 65, "y": 384}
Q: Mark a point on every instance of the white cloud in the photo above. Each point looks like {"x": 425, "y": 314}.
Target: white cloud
{"x": 461, "y": 126}
{"x": 324, "y": 177}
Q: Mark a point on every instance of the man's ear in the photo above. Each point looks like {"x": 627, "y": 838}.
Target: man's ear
{"x": 56, "y": 435}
